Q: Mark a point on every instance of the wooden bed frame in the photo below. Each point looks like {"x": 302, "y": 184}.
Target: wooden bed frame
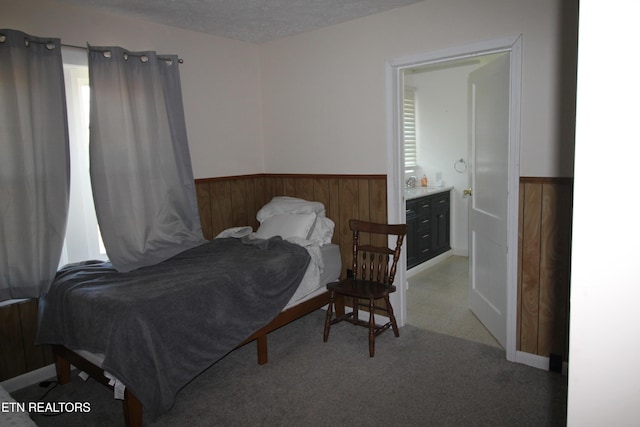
{"x": 131, "y": 406}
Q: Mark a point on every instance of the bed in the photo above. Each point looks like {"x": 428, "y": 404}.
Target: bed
{"x": 149, "y": 332}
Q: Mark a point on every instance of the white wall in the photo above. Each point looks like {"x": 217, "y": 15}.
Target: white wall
{"x": 604, "y": 345}
{"x": 220, "y": 77}
{"x": 323, "y": 92}
{"x": 315, "y": 102}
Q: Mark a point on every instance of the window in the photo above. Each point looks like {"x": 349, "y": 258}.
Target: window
{"x": 82, "y": 240}
{"x": 409, "y": 129}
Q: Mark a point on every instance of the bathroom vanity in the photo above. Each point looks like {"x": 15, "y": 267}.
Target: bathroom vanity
{"x": 428, "y": 212}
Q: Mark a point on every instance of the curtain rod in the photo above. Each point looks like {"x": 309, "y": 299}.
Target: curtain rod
{"x": 180, "y": 60}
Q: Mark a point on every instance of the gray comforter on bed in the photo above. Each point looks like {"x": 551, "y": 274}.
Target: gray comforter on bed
{"x": 160, "y": 326}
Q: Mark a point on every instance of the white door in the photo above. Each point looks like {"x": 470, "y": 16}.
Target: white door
{"x": 488, "y": 208}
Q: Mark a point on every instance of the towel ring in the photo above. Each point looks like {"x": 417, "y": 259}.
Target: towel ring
{"x": 460, "y": 166}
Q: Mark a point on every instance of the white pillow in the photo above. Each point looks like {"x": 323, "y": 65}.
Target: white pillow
{"x": 322, "y": 231}
{"x": 289, "y": 205}
{"x": 287, "y": 225}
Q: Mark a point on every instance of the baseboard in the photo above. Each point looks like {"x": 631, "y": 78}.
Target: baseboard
{"x": 29, "y": 378}
{"x": 536, "y": 361}
{"x": 461, "y": 252}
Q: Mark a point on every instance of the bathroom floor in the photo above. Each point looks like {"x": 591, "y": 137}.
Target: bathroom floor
{"x": 437, "y": 301}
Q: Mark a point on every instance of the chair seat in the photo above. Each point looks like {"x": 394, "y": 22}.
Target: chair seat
{"x": 361, "y": 288}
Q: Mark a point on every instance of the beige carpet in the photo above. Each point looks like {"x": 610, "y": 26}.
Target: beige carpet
{"x": 420, "y": 379}
{"x": 437, "y": 301}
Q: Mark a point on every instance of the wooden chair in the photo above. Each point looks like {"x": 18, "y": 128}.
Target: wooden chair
{"x": 371, "y": 278}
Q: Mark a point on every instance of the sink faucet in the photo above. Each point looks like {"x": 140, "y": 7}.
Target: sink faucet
{"x": 411, "y": 182}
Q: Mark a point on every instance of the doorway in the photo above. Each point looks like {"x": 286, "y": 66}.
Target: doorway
{"x": 437, "y": 292}
{"x": 455, "y": 58}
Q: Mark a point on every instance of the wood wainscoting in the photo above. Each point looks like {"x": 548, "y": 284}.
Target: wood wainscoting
{"x": 545, "y": 216}
{"x": 234, "y": 201}
{"x": 223, "y": 203}
{"x": 544, "y": 261}
{"x": 18, "y": 353}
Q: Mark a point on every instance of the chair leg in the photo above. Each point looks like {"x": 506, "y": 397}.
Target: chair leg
{"x": 392, "y": 318}
{"x": 338, "y": 305}
{"x": 372, "y": 329}
{"x": 327, "y": 322}
{"x": 355, "y": 303}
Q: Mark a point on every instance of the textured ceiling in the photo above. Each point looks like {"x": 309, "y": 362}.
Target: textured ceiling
{"x": 247, "y": 20}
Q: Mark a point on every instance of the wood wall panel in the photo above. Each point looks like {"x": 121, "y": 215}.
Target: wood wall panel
{"x": 349, "y": 208}
{"x": 221, "y": 206}
{"x": 530, "y": 268}
{"x": 544, "y": 265}
{"x": 519, "y": 268}
{"x": 204, "y": 209}
{"x": 333, "y": 211}
{"x": 322, "y": 192}
{"x": 304, "y": 188}
{"x": 234, "y": 201}
{"x": 554, "y": 269}
{"x": 240, "y": 195}
{"x": 288, "y": 186}
{"x": 543, "y": 260}
{"x": 11, "y": 349}
{"x": 18, "y": 353}
{"x": 544, "y": 235}
{"x": 264, "y": 188}
{"x": 33, "y": 354}
{"x": 378, "y": 202}
{"x": 378, "y": 206}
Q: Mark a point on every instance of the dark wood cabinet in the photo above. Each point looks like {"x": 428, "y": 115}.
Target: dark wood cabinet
{"x": 412, "y": 228}
{"x": 428, "y": 227}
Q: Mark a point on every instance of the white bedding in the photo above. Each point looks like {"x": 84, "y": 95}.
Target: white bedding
{"x": 321, "y": 271}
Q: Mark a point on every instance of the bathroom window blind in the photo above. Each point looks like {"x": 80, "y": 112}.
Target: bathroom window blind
{"x": 409, "y": 128}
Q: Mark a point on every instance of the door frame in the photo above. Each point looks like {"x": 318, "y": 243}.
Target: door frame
{"x": 395, "y": 160}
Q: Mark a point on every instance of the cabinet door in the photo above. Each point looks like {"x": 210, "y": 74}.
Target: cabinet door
{"x": 425, "y": 245}
{"x": 442, "y": 229}
{"x": 428, "y": 228}
{"x": 425, "y": 228}
{"x": 441, "y": 223}
{"x": 412, "y": 229}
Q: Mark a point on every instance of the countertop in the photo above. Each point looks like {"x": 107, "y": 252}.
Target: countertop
{"x": 415, "y": 192}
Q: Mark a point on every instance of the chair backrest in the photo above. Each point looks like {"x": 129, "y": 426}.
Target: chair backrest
{"x": 372, "y": 262}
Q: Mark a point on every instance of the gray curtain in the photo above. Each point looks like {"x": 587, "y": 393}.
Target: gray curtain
{"x": 34, "y": 163}
{"x": 141, "y": 174}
